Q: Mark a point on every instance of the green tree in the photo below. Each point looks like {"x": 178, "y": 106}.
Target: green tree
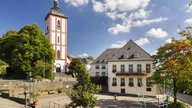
{"x": 90, "y": 58}
{"x": 3, "y": 66}
{"x": 173, "y": 62}
{"x": 43, "y": 69}
{"x": 22, "y": 49}
{"x": 83, "y": 91}
{"x": 70, "y": 58}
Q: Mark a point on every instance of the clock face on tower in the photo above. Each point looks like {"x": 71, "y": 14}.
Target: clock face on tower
{"x": 56, "y": 31}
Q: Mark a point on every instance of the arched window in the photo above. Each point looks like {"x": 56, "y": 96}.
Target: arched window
{"x": 58, "y": 54}
{"x": 58, "y": 24}
{"x": 58, "y": 39}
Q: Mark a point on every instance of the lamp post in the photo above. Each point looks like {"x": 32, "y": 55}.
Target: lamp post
{"x": 30, "y": 79}
{"x": 25, "y": 93}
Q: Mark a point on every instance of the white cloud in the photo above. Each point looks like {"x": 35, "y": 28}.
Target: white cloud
{"x": 119, "y": 44}
{"x": 125, "y": 13}
{"x": 157, "y": 33}
{"x": 124, "y": 27}
{"x": 128, "y": 24}
{"x": 77, "y": 3}
{"x": 140, "y": 14}
{"x": 168, "y": 40}
{"x": 84, "y": 55}
{"x": 142, "y": 41}
{"x": 115, "y": 15}
{"x": 97, "y": 6}
{"x": 125, "y": 5}
{"x": 189, "y": 8}
{"x": 188, "y": 21}
{"x": 148, "y": 22}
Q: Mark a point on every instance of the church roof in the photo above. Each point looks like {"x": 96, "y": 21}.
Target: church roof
{"x": 56, "y": 10}
{"x": 129, "y": 52}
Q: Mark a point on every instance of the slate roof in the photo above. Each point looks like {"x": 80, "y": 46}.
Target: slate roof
{"x": 117, "y": 54}
{"x": 56, "y": 10}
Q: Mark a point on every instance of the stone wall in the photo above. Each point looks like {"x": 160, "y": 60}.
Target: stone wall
{"x": 17, "y": 87}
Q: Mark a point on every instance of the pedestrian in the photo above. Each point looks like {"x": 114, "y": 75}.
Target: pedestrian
{"x": 115, "y": 96}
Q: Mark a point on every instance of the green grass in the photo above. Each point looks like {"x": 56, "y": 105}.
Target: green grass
{"x": 179, "y": 105}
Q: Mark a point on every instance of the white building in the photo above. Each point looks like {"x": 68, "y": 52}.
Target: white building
{"x": 128, "y": 69}
{"x": 56, "y": 30}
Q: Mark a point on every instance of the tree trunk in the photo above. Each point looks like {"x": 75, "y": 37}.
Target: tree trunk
{"x": 175, "y": 92}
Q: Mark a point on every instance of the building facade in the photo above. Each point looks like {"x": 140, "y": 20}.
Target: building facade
{"x": 56, "y": 31}
{"x": 128, "y": 69}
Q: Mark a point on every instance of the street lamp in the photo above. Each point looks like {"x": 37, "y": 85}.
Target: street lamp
{"x": 25, "y": 93}
{"x": 30, "y": 79}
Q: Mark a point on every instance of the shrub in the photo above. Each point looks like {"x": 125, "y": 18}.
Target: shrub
{"x": 39, "y": 78}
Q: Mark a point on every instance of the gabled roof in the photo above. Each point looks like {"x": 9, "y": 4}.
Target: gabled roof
{"x": 108, "y": 54}
{"x": 130, "y": 50}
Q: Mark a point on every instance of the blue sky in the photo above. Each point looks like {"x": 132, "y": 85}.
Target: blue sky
{"x": 95, "y": 25}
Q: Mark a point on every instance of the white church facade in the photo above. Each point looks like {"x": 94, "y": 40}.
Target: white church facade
{"x": 56, "y": 31}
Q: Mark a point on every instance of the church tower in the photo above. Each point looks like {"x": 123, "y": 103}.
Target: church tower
{"x": 56, "y": 31}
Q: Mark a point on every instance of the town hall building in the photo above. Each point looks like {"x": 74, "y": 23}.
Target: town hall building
{"x": 56, "y": 31}
{"x": 129, "y": 70}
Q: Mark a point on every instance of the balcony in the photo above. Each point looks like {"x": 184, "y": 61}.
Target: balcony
{"x": 122, "y": 83}
{"x": 149, "y": 71}
{"x": 131, "y": 74}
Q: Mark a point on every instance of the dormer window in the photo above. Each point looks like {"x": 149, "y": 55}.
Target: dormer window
{"x": 136, "y": 55}
{"x": 125, "y": 56}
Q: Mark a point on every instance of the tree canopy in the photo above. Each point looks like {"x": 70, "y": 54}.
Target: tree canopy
{"x": 3, "y": 66}
{"x": 174, "y": 63}
{"x": 83, "y": 91}
{"x": 90, "y": 58}
{"x": 22, "y": 49}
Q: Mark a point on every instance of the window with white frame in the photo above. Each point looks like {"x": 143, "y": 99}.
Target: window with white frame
{"x": 148, "y": 81}
{"x": 139, "y": 67}
{"x": 97, "y": 73}
{"x": 131, "y": 82}
{"x": 103, "y": 73}
{"x": 148, "y": 67}
{"x": 103, "y": 67}
{"x": 114, "y": 68}
{"x": 122, "y": 81}
{"x": 130, "y": 67}
{"x": 139, "y": 82}
{"x": 97, "y": 67}
{"x": 122, "y": 68}
{"x": 114, "y": 83}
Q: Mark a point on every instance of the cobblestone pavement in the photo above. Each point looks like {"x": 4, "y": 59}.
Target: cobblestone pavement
{"x": 104, "y": 101}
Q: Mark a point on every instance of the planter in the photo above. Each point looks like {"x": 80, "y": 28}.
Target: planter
{"x": 35, "y": 102}
{"x": 131, "y": 73}
{"x": 113, "y": 71}
{"x": 149, "y": 71}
